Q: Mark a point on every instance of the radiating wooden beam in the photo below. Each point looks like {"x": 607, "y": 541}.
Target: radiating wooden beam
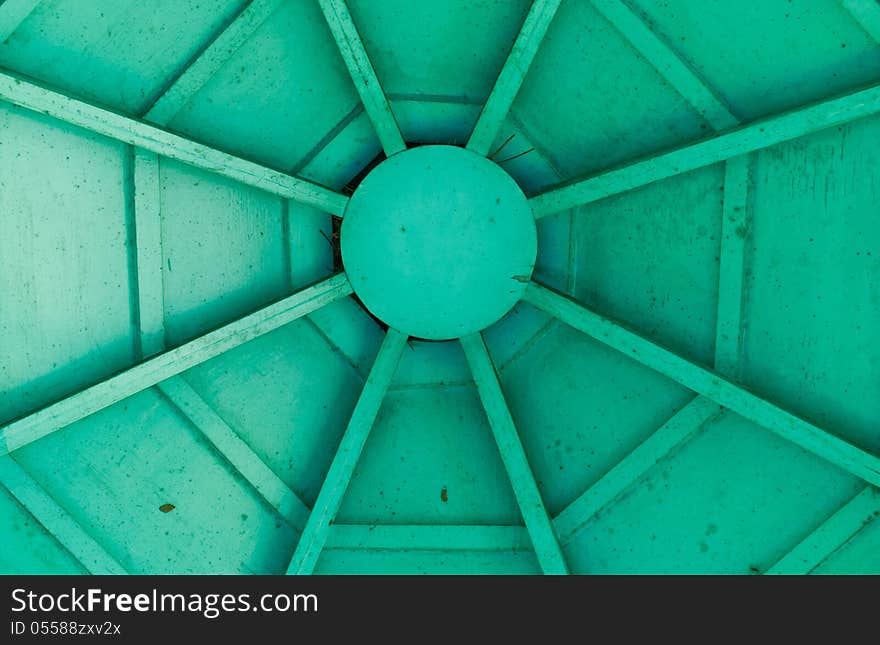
{"x": 237, "y": 452}
{"x": 672, "y": 68}
{"x": 209, "y": 62}
{"x": 754, "y": 136}
{"x": 470, "y": 537}
{"x": 833, "y": 533}
{"x": 866, "y": 13}
{"x": 348, "y": 453}
{"x": 167, "y": 364}
{"x": 56, "y": 520}
{"x": 663, "y": 442}
{"x": 709, "y": 384}
{"x": 512, "y": 74}
{"x": 531, "y": 505}
{"x": 735, "y": 225}
{"x": 12, "y": 14}
{"x": 362, "y": 73}
{"x": 149, "y": 137}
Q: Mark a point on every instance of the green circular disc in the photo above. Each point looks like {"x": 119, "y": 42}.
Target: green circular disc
{"x": 438, "y": 242}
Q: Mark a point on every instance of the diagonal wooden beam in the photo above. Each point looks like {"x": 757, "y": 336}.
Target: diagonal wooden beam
{"x": 167, "y": 364}
{"x": 209, "y": 62}
{"x": 149, "y": 137}
{"x": 663, "y": 442}
{"x": 531, "y": 505}
{"x": 56, "y": 520}
{"x": 735, "y": 225}
{"x": 368, "y": 537}
{"x": 866, "y": 13}
{"x": 833, "y": 533}
{"x": 512, "y": 74}
{"x": 661, "y": 56}
{"x": 748, "y": 138}
{"x": 362, "y": 73}
{"x": 709, "y": 384}
{"x": 314, "y": 535}
{"x": 12, "y": 14}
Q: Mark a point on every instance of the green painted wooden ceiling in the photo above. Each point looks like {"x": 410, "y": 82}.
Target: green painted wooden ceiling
{"x": 189, "y": 383}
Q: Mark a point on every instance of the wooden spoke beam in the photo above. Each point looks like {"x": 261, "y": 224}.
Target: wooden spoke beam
{"x": 833, "y": 533}
{"x": 428, "y": 538}
{"x": 149, "y": 137}
{"x": 209, "y": 62}
{"x": 866, "y": 13}
{"x": 315, "y": 533}
{"x": 709, "y": 384}
{"x": 748, "y": 138}
{"x": 531, "y": 505}
{"x": 662, "y": 443}
{"x": 170, "y": 363}
{"x": 362, "y": 73}
{"x": 12, "y": 14}
{"x": 56, "y": 520}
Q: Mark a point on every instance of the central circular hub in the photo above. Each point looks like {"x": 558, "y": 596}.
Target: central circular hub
{"x": 438, "y": 242}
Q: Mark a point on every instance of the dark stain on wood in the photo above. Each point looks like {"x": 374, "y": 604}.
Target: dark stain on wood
{"x": 443, "y": 496}
{"x": 167, "y": 508}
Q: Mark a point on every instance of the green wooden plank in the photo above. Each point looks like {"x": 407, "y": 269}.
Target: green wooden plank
{"x": 664, "y": 441}
{"x": 659, "y": 54}
{"x": 397, "y": 538}
{"x": 148, "y": 248}
{"x": 731, "y": 272}
{"x": 12, "y": 14}
{"x": 830, "y": 535}
{"x": 194, "y": 77}
{"x": 512, "y": 74}
{"x": 237, "y": 452}
{"x": 362, "y": 73}
{"x": 336, "y": 482}
{"x": 137, "y": 133}
{"x": 56, "y": 520}
{"x": 754, "y": 136}
{"x": 77, "y": 406}
{"x": 525, "y": 488}
{"x": 707, "y": 383}
{"x": 867, "y": 14}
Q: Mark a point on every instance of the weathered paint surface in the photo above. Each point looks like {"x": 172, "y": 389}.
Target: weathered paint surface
{"x": 705, "y": 178}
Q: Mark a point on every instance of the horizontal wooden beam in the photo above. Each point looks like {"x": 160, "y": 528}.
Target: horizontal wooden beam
{"x": 56, "y": 520}
{"x": 12, "y": 14}
{"x": 138, "y": 133}
{"x": 209, "y": 62}
{"x": 709, "y": 384}
{"x": 170, "y": 363}
{"x": 534, "y": 513}
{"x": 362, "y": 73}
{"x": 315, "y": 533}
{"x": 278, "y": 495}
{"x": 663, "y": 442}
{"x": 748, "y": 138}
{"x": 512, "y": 74}
{"x": 369, "y": 537}
{"x": 830, "y": 535}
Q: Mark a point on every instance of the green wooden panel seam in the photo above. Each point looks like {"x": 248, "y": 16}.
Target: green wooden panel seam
{"x": 683, "y": 425}
{"x": 512, "y": 74}
{"x": 735, "y": 226}
{"x": 56, "y": 520}
{"x": 661, "y": 56}
{"x": 137, "y": 133}
{"x": 531, "y": 505}
{"x": 867, "y": 14}
{"x": 705, "y": 382}
{"x": 371, "y": 537}
{"x": 830, "y": 535}
{"x": 88, "y": 401}
{"x": 12, "y": 14}
{"x": 314, "y": 535}
{"x": 194, "y": 77}
{"x": 362, "y": 73}
{"x": 754, "y": 136}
